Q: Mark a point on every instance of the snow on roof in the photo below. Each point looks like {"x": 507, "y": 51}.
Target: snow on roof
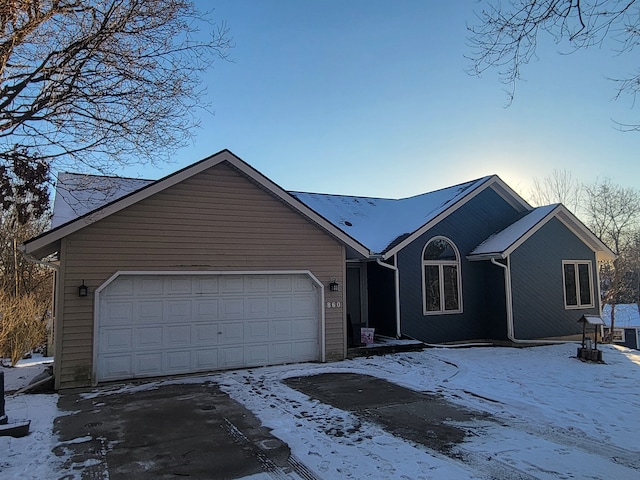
{"x": 627, "y": 315}
{"x": 503, "y": 240}
{"x": 379, "y": 223}
{"x": 78, "y": 194}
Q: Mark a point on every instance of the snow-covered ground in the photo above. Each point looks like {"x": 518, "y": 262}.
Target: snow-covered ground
{"x": 556, "y": 417}
{"x": 30, "y": 456}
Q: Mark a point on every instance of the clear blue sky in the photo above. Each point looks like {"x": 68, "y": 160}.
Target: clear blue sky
{"x": 371, "y": 97}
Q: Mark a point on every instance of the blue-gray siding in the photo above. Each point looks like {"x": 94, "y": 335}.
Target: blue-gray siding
{"x": 537, "y": 285}
{"x": 483, "y": 313}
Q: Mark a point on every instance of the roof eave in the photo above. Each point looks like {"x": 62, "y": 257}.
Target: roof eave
{"x": 486, "y": 256}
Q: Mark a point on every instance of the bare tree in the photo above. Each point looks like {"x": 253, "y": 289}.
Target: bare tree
{"x": 559, "y": 187}
{"x": 507, "y": 34}
{"x": 96, "y": 84}
{"x": 17, "y": 275}
{"x": 613, "y": 214}
{"x": 22, "y": 325}
{"x": 25, "y": 288}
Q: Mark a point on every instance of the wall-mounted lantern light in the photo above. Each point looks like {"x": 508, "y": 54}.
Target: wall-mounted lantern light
{"x": 333, "y": 286}
{"x": 83, "y": 290}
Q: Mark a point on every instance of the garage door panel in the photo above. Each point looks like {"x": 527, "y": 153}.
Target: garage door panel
{"x": 256, "y": 331}
{"x": 281, "y": 329}
{"x": 205, "y": 334}
{"x": 302, "y": 284}
{"x": 123, "y": 287}
{"x": 305, "y": 305}
{"x": 118, "y": 313}
{"x": 149, "y": 312}
{"x": 205, "y": 309}
{"x": 153, "y": 325}
{"x": 281, "y": 284}
{"x": 231, "y": 333}
{"x": 282, "y": 352}
{"x": 257, "y": 355}
{"x": 177, "y": 310}
{"x": 305, "y": 350}
{"x": 206, "y": 359}
{"x": 257, "y": 284}
{"x": 231, "y": 308}
{"x": 177, "y": 362}
{"x": 117, "y": 339}
{"x": 256, "y": 307}
{"x": 231, "y": 284}
{"x": 177, "y": 335}
{"x": 303, "y": 327}
{"x": 115, "y": 367}
{"x": 148, "y": 337}
{"x": 205, "y": 285}
{"x": 178, "y": 285}
{"x": 148, "y": 364}
{"x": 281, "y": 307}
{"x": 149, "y": 285}
{"x": 232, "y": 357}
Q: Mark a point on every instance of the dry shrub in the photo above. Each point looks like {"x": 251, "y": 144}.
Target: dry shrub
{"x": 22, "y": 325}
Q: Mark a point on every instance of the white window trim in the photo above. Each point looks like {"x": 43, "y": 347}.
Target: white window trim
{"x": 575, "y": 264}
{"x": 441, "y": 264}
{"x": 618, "y": 335}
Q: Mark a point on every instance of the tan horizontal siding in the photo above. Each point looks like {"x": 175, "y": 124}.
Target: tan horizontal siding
{"x": 217, "y": 220}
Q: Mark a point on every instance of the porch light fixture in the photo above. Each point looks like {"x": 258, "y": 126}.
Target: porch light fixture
{"x": 83, "y": 290}
{"x": 333, "y": 286}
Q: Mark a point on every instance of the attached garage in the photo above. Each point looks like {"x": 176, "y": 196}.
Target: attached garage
{"x": 151, "y": 324}
{"x": 210, "y": 268}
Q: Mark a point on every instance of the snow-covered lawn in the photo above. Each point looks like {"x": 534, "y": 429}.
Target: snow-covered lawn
{"x": 556, "y": 417}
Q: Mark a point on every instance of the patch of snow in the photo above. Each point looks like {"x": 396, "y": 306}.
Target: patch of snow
{"x": 29, "y": 457}
{"x": 78, "y": 194}
{"x": 555, "y": 416}
{"x": 378, "y": 223}
{"x": 24, "y": 371}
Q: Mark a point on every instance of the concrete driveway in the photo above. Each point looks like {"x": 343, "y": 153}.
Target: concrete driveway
{"x": 198, "y": 431}
{"x": 173, "y": 431}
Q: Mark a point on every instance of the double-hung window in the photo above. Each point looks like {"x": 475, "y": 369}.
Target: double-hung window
{"x": 578, "y": 283}
{"x": 441, "y": 286}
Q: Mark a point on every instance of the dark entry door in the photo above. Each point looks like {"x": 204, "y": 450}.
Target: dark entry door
{"x": 354, "y": 294}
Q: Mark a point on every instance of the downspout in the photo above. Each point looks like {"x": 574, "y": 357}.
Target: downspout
{"x": 396, "y": 276}
{"x": 509, "y": 305}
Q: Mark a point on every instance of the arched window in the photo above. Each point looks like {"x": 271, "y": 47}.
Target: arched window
{"x": 441, "y": 286}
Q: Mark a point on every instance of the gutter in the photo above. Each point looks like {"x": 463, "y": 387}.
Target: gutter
{"x": 509, "y": 305}
{"x": 30, "y": 258}
{"x": 396, "y": 275}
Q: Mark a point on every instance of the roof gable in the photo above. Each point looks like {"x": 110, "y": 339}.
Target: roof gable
{"x": 381, "y": 223}
{"x": 503, "y": 243}
{"x": 120, "y": 197}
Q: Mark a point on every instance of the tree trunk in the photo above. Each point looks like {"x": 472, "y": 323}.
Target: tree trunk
{"x": 613, "y": 321}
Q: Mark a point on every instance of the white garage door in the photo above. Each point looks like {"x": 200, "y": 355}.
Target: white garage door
{"x": 153, "y": 325}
